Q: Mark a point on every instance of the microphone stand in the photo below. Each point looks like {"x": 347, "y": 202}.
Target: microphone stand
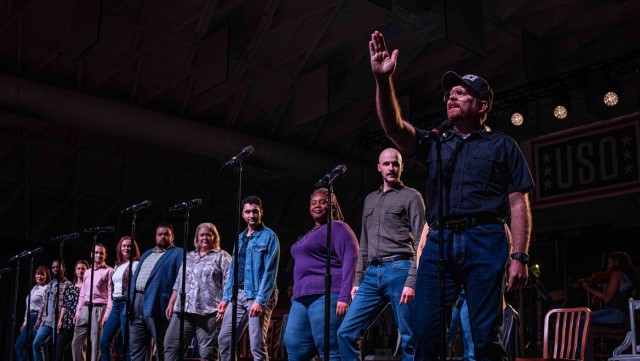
{"x": 128, "y": 306}
{"x": 93, "y": 266}
{"x": 236, "y": 160}
{"x": 127, "y": 303}
{"x": 186, "y": 206}
{"x": 4, "y": 284}
{"x": 327, "y": 277}
{"x": 13, "y": 313}
{"x": 28, "y": 310}
{"x": 56, "y": 300}
{"x": 441, "y": 261}
{"x": 236, "y": 264}
{"x": 183, "y": 292}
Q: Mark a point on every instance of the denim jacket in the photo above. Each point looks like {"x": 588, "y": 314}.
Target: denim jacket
{"x": 263, "y": 254}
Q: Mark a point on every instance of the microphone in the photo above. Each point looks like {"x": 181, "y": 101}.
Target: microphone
{"x": 433, "y": 134}
{"x": 17, "y": 257}
{"x": 66, "y": 236}
{"x": 328, "y": 178}
{"x": 245, "y": 152}
{"x": 136, "y": 207}
{"x": 100, "y": 230}
{"x": 34, "y": 251}
{"x": 186, "y": 205}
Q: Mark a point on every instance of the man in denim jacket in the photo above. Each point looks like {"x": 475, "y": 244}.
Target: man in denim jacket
{"x": 257, "y": 292}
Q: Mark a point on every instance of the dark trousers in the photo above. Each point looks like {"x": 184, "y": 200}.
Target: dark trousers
{"x": 141, "y": 331}
{"x": 63, "y": 342}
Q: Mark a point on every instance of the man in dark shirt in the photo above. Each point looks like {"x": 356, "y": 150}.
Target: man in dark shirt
{"x": 392, "y": 220}
{"x": 486, "y": 180}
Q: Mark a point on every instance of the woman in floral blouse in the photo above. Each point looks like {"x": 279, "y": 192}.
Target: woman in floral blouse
{"x": 207, "y": 271}
{"x": 65, "y": 326}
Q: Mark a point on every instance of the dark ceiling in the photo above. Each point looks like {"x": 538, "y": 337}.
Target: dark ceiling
{"x": 106, "y": 103}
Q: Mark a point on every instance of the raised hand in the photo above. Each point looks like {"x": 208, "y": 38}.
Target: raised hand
{"x": 382, "y": 64}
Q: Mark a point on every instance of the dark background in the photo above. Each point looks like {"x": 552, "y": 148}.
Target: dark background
{"x": 104, "y": 104}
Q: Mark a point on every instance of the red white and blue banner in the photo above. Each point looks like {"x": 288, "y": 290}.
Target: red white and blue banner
{"x": 594, "y": 161}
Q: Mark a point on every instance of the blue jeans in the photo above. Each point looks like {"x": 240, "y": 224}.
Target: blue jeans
{"x": 21, "y": 342}
{"x": 460, "y": 321}
{"x": 381, "y": 285}
{"x": 605, "y": 316}
{"x": 115, "y": 324}
{"x": 44, "y": 334}
{"x": 304, "y": 336}
{"x": 474, "y": 259}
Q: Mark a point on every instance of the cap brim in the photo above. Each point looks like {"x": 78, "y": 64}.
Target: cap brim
{"x": 451, "y": 79}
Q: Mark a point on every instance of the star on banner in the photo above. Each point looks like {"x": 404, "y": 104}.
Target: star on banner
{"x": 546, "y": 171}
{"x": 546, "y": 158}
{"x": 548, "y": 184}
{"x": 626, "y": 140}
{"x": 628, "y": 169}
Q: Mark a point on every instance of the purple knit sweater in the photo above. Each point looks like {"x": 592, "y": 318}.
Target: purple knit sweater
{"x": 309, "y": 255}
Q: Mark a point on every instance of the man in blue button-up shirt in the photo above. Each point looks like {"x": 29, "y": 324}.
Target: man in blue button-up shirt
{"x": 486, "y": 180}
{"x": 257, "y": 293}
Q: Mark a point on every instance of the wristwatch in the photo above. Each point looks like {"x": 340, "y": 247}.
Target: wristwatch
{"x": 522, "y": 257}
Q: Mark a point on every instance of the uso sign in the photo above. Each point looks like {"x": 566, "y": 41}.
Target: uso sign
{"x": 593, "y": 161}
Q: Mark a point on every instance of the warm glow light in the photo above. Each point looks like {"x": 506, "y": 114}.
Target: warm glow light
{"x": 560, "y": 112}
{"x": 517, "y": 119}
{"x": 611, "y": 99}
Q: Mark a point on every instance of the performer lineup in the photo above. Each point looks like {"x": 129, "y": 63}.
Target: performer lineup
{"x": 464, "y": 240}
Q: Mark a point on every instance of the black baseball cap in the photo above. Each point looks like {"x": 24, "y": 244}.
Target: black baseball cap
{"x": 478, "y": 84}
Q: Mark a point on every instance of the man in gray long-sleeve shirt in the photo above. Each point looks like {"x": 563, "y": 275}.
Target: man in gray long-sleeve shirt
{"x": 392, "y": 221}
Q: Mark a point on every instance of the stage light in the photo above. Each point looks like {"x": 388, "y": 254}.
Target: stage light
{"x": 561, "y": 106}
{"x": 560, "y": 112}
{"x": 518, "y": 113}
{"x": 517, "y": 119}
{"x": 610, "y": 98}
{"x": 612, "y": 92}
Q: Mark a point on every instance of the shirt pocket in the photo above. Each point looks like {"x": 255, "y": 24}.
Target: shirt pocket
{"x": 492, "y": 170}
{"x": 368, "y": 218}
{"x": 394, "y": 215}
{"x": 258, "y": 253}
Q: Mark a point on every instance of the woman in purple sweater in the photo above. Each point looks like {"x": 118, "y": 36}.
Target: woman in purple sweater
{"x": 304, "y": 336}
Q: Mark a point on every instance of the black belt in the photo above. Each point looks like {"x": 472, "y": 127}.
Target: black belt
{"x": 119, "y": 299}
{"x": 33, "y": 311}
{"x": 459, "y": 224}
{"x": 382, "y": 260}
{"x": 241, "y": 285}
{"x": 140, "y": 291}
{"x": 87, "y": 303}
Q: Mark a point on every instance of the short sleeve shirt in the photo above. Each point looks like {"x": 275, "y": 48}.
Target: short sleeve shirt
{"x": 480, "y": 171}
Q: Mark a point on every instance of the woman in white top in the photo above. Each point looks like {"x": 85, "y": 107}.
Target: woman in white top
{"x": 42, "y": 277}
{"x": 117, "y": 317}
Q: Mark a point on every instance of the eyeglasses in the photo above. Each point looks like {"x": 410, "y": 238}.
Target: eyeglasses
{"x": 458, "y": 93}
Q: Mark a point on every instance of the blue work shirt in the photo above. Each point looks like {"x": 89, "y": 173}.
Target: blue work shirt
{"x": 261, "y": 267}
{"x": 480, "y": 171}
